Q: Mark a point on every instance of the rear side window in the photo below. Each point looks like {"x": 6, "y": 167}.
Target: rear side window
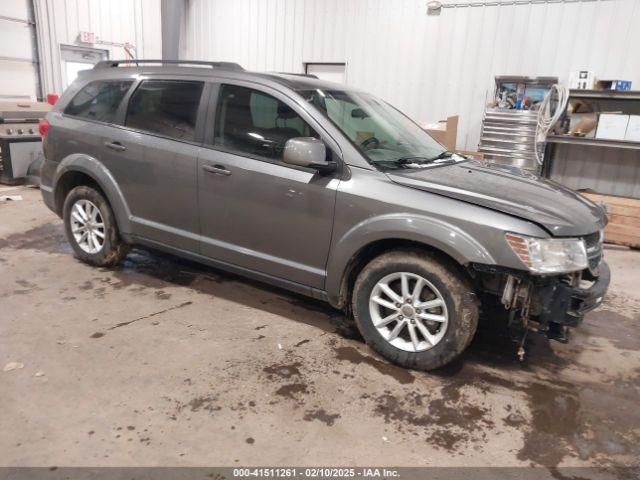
{"x": 99, "y": 100}
{"x": 252, "y": 122}
{"x": 166, "y": 107}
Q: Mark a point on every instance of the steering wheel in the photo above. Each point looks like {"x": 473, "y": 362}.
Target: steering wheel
{"x": 370, "y": 143}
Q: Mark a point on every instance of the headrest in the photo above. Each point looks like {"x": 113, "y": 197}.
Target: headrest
{"x": 284, "y": 111}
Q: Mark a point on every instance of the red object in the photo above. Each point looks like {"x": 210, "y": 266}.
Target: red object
{"x": 52, "y": 98}
{"x": 44, "y": 126}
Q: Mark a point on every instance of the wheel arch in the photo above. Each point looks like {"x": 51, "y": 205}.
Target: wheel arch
{"x": 70, "y": 180}
{"x": 374, "y": 249}
{"x": 76, "y": 170}
{"x": 375, "y": 236}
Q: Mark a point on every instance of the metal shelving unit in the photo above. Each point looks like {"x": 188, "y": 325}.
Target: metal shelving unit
{"x": 610, "y": 153}
{"x": 604, "y": 170}
{"x": 593, "y": 142}
{"x": 606, "y": 94}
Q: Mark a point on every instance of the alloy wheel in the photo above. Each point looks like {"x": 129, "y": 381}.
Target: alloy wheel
{"x": 408, "y": 311}
{"x": 87, "y": 226}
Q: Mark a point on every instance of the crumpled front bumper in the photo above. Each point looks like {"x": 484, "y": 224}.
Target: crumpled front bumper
{"x": 592, "y": 297}
{"x": 564, "y": 306}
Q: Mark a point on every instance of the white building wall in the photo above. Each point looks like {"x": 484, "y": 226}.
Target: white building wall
{"x": 18, "y": 71}
{"x": 115, "y": 22}
{"x": 428, "y": 66}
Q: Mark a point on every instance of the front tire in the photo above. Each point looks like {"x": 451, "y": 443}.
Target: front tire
{"x": 415, "y": 309}
{"x": 91, "y": 229}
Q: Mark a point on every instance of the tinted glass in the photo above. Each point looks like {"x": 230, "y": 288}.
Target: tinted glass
{"x": 166, "y": 107}
{"x": 99, "y": 100}
{"x": 253, "y": 122}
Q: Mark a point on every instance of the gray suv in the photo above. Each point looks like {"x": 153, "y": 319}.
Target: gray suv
{"x": 324, "y": 190}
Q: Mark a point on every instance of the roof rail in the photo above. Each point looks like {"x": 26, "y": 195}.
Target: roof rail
{"x": 308, "y": 75}
{"x": 136, "y": 63}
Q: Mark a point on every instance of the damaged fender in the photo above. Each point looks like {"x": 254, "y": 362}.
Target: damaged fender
{"x": 429, "y": 231}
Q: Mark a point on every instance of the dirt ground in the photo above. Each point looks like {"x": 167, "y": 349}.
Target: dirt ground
{"x": 164, "y": 362}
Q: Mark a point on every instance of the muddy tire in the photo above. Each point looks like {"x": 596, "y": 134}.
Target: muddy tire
{"x": 415, "y": 309}
{"x": 91, "y": 229}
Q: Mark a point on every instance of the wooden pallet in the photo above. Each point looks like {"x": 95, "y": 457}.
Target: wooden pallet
{"x": 624, "y": 219}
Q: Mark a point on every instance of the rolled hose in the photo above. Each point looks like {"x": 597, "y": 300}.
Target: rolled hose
{"x": 547, "y": 119}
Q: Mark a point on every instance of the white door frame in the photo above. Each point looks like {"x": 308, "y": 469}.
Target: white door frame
{"x": 341, "y": 64}
{"x": 79, "y": 54}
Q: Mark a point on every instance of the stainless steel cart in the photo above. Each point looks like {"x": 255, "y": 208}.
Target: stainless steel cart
{"x": 20, "y": 142}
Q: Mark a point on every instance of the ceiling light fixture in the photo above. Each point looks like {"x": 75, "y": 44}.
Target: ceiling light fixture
{"x": 434, "y": 7}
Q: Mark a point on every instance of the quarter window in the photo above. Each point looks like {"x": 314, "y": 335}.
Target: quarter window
{"x": 166, "y": 107}
{"x": 255, "y": 123}
{"x": 99, "y": 100}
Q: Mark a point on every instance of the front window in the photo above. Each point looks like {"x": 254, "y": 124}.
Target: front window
{"x": 252, "y": 122}
{"x": 381, "y": 133}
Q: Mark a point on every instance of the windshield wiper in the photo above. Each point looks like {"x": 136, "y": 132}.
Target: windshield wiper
{"x": 421, "y": 158}
{"x": 442, "y": 155}
{"x": 417, "y": 159}
{"x": 412, "y": 159}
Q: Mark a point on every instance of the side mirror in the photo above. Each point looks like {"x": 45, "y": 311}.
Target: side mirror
{"x": 307, "y": 152}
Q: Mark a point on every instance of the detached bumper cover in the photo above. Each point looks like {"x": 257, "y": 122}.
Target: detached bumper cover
{"x": 566, "y": 305}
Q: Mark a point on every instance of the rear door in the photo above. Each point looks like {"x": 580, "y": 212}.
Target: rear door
{"x": 92, "y": 113}
{"x": 160, "y": 181}
{"x": 256, "y": 211}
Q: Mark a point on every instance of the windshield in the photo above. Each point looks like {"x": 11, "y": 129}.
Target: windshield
{"x": 379, "y": 131}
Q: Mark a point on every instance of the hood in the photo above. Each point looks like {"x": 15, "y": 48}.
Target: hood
{"x": 561, "y": 211}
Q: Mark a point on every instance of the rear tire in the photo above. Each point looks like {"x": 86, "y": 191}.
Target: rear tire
{"x": 428, "y": 295}
{"x": 91, "y": 229}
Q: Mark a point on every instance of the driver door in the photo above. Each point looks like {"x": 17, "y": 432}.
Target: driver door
{"x": 257, "y": 212}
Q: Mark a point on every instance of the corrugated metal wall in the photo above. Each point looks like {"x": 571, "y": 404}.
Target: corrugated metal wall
{"x": 113, "y": 21}
{"x": 612, "y": 171}
{"x": 428, "y": 66}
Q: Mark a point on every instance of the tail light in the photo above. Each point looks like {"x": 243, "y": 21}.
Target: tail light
{"x": 52, "y": 98}
{"x": 44, "y": 126}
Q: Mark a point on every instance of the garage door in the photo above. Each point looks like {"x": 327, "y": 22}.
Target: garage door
{"x": 19, "y": 77}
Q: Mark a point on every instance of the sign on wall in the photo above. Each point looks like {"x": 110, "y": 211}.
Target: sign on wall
{"x": 86, "y": 37}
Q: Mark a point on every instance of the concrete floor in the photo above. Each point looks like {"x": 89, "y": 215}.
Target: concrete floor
{"x": 163, "y": 362}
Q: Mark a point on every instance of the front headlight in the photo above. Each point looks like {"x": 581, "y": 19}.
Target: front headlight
{"x": 549, "y": 255}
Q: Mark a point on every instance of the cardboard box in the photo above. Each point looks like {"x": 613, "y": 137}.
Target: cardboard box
{"x": 633, "y": 129}
{"x": 445, "y": 132}
{"x": 583, "y": 124}
{"x": 612, "y": 126}
{"x": 619, "y": 85}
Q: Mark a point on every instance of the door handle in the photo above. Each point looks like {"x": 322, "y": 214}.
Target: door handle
{"x": 217, "y": 170}
{"x": 117, "y": 146}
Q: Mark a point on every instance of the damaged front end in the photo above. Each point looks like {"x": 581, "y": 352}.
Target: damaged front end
{"x": 548, "y": 304}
